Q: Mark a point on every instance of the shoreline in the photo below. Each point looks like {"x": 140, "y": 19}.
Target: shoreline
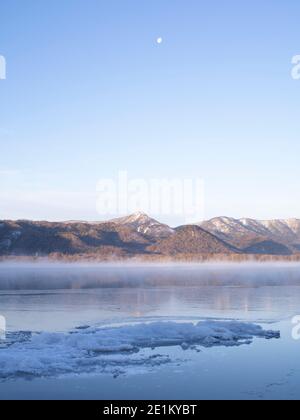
{"x": 152, "y": 260}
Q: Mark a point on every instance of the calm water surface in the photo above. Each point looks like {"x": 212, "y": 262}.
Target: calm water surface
{"x": 61, "y": 298}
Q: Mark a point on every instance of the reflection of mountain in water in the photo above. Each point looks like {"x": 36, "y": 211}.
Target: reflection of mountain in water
{"x": 156, "y": 291}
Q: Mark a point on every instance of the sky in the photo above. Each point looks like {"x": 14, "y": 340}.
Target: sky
{"x": 90, "y": 92}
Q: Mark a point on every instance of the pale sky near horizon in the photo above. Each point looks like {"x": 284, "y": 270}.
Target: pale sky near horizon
{"x": 90, "y": 92}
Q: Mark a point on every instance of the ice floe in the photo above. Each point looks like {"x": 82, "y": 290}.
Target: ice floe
{"x": 116, "y": 350}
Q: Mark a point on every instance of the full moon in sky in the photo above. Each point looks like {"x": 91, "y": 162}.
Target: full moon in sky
{"x": 159, "y": 40}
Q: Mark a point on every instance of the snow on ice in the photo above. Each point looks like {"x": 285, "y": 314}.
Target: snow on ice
{"x": 116, "y": 350}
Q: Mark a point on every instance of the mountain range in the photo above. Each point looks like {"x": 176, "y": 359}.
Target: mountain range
{"x": 140, "y": 235}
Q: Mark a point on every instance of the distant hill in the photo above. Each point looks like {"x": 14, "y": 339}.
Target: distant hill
{"x": 141, "y": 235}
{"x": 192, "y": 240}
{"x": 277, "y": 237}
{"x": 25, "y": 238}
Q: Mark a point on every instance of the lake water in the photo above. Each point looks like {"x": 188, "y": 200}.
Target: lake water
{"x": 150, "y": 332}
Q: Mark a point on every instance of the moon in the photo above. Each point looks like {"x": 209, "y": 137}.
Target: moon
{"x": 159, "y": 40}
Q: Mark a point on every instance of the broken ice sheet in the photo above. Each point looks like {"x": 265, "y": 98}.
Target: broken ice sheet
{"x": 117, "y": 350}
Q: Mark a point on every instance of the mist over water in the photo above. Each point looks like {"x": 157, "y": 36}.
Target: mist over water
{"x": 41, "y": 276}
{"x": 62, "y": 296}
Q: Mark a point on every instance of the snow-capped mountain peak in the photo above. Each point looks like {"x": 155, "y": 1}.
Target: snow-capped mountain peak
{"x": 145, "y": 225}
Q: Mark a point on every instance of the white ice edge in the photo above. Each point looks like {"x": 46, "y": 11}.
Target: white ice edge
{"x": 117, "y": 350}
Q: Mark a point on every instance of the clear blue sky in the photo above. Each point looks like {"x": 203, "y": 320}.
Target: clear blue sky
{"x": 89, "y": 92}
